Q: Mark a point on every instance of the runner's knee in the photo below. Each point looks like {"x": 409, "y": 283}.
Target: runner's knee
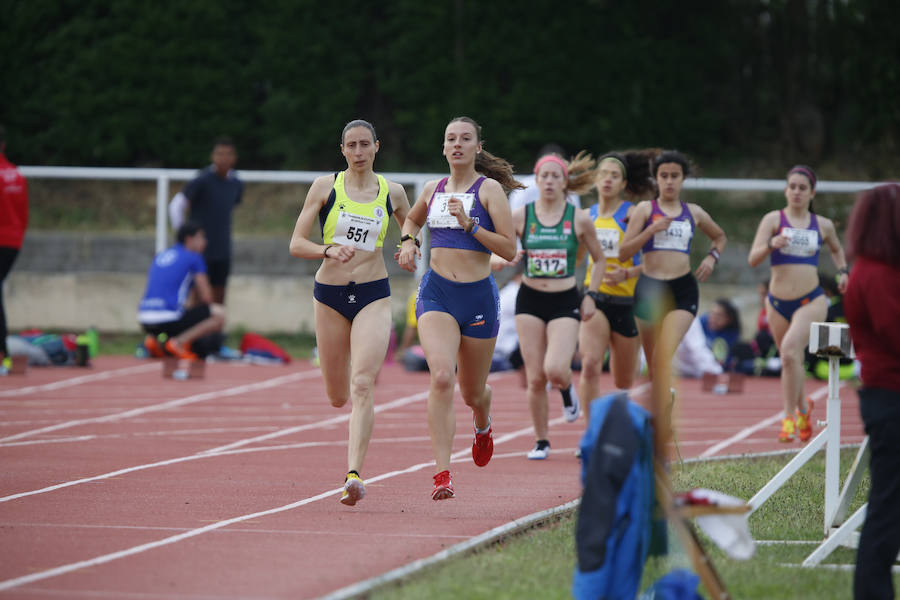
{"x": 362, "y": 386}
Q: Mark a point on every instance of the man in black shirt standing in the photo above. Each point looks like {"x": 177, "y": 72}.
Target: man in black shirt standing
{"x": 211, "y": 197}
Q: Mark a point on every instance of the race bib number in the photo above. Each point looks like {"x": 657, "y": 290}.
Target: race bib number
{"x": 547, "y": 263}
{"x": 801, "y": 242}
{"x": 609, "y": 241}
{"x": 676, "y": 237}
{"x": 439, "y": 212}
{"x": 357, "y": 231}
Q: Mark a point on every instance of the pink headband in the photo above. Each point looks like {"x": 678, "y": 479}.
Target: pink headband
{"x": 552, "y": 158}
{"x": 806, "y": 172}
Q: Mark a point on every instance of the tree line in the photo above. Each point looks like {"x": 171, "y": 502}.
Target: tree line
{"x": 755, "y": 83}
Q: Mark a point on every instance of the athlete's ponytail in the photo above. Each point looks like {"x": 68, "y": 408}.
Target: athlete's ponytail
{"x": 489, "y": 165}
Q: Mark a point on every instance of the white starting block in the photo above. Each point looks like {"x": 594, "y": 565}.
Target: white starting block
{"x": 832, "y": 341}
{"x": 172, "y": 369}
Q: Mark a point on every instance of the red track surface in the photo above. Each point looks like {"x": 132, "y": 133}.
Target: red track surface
{"x": 117, "y": 483}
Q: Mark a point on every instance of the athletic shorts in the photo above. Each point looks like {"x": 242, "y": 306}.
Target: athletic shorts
{"x": 787, "y": 308}
{"x": 217, "y": 270}
{"x": 351, "y": 298}
{"x": 619, "y": 311}
{"x": 191, "y": 317}
{"x": 474, "y": 304}
{"x": 547, "y": 306}
{"x": 655, "y": 298}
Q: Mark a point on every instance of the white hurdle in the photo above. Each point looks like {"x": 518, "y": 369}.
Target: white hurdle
{"x": 831, "y": 340}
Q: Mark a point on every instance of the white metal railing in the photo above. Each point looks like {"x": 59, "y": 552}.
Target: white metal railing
{"x": 164, "y": 176}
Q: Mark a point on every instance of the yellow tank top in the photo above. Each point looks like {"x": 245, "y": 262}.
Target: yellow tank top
{"x": 610, "y": 232}
{"x": 362, "y": 225}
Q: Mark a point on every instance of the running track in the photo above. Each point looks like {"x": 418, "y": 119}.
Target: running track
{"x": 119, "y": 484}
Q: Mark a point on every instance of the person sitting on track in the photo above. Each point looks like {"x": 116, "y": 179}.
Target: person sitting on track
{"x": 352, "y": 293}
{"x": 458, "y": 303}
{"x": 177, "y": 309}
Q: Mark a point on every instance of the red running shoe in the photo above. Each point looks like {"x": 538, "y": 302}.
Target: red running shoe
{"x": 443, "y": 486}
{"x": 179, "y": 351}
{"x": 483, "y": 447}
{"x": 804, "y": 422}
{"x": 153, "y": 347}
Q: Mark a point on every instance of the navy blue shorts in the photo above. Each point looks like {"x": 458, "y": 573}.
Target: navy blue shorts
{"x": 475, "y": 304}
{"x": 351, "y": 298}
{"x": 787, "y": 308}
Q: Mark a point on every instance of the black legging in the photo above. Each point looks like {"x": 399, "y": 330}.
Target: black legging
{"x": 7, "y": 258}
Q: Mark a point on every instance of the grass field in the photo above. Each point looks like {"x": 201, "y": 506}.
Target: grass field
{"x": 539, "y": 562}
{"x": 299, "y": 346}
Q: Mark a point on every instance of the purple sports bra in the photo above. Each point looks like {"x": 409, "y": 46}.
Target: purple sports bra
{"x": 803, "y": 244}
{"x": 444, "y": 228}
{"x": 677, "y": 237}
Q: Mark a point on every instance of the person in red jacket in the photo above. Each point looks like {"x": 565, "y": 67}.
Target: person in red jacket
{"x": 13, "y": 221}
{"x": 871, "y": 305}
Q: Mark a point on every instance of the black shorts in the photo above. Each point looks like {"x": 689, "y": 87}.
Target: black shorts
{"x": 619, "y": 311}
{"x": 218, "y": 270}
{"x": 191, "y": 317}
{"x": 548, "y": 305}
{"x": 655, "y": 298}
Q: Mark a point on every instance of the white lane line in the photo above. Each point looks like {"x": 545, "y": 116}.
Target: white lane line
{"x": 748, "y": 431}
{"x": 62, "y": 440}
{"x": 332, "y": 421}
{"x": 234, "y": 391}
{"x": 57, "y": 385}
{"x": 431, "y": 535}
{"x": 222, "y": 450}
{"x": 112, "y": 556}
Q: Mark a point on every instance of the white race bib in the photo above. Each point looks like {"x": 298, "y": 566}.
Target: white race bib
{"x": 357, "y": 231}
{"x": 676, "y": 237}
{"x": 609, "y": 241}
{"x": 549, "y": 262}
{"x": 439, "y": 211}
{"x": 801, "y": 242}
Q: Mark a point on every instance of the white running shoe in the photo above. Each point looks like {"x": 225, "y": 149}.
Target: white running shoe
{"x": 540, "y": 451}
{"x": 573, "y": 410}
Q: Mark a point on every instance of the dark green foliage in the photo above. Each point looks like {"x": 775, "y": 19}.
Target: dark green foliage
{"x": 132, "y": 83}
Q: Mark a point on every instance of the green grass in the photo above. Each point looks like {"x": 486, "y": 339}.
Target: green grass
{"x": 539, "y": 562}
{"x": 299, "y": 346}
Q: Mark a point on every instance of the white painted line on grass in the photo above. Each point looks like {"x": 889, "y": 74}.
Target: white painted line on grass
{"x": 90, "y": 378}
{"x": 233, "y": 391}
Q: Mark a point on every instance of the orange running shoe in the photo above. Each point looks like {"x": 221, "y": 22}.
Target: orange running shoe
{"x": 804, "y": 422}
{"x": 787, "y": 430}
{"x": 153, "y": 347}
{"x": 483, "y": 447}
{"x": 443, "y": 486}
{"x": 179, "y": 351}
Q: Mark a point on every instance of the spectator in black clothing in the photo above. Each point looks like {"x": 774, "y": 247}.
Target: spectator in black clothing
{"x": 209, "y": 199}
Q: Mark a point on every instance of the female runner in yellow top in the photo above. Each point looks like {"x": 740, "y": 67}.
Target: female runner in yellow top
{"x": 352, "y": 296}
{"x": 613, "y": 325}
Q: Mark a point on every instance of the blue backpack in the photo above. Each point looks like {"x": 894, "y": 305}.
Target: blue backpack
{"x": 613, "y": 530}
